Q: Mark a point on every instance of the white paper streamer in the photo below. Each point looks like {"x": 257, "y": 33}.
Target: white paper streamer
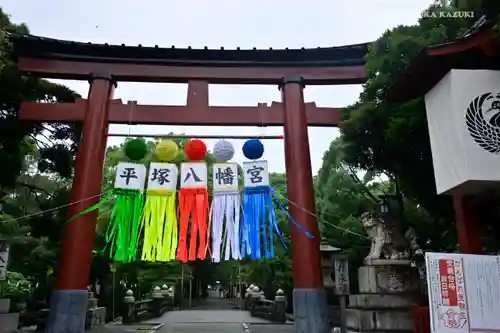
{"x": 233, "y": 204}
{"x": 225, "y": 207}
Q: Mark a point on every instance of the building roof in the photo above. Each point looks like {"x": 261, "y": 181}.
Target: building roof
{"x": 328, "y": 248}
{"x": 42, "y": 47}
{"x": 473, "y": 51}
{"x": 434, "y": 62}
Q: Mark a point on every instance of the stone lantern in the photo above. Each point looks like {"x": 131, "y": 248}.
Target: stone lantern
{"x": 327, "y": 260}
{"x": 388, "y": 205}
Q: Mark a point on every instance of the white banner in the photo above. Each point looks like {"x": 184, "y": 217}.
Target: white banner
{"x": 256, "y": 173}
{"x": 463, "y": 116}
{"x": 4, "y": 259}
{"x": 194, "y": 174}
{"x": 163, "y": 176}
{"x": 225, "y": 176}
{"x": 464, "y": 292}
{"x": 130, "y": 176}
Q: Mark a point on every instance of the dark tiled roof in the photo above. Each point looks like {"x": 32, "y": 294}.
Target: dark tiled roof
{"x": 42, "y": 47}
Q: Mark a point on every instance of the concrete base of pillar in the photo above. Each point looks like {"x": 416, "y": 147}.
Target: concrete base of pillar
{"x": 68, "y": 309}
{"x": 9, "y": 322}
{"x": 310, "y": 311}
{"x": 379, "y": 313}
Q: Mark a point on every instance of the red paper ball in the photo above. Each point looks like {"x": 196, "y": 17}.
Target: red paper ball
{"x": 196, "y": 150}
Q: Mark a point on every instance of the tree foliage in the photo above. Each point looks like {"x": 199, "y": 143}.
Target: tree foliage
{"x": 56, "y": 142}
{"x": 392, "y": 139}
{"x": 37, "y": 163}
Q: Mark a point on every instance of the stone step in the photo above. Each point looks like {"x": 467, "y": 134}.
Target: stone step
{"x": 379, "y": 301}
{"x": 361, "y": 320}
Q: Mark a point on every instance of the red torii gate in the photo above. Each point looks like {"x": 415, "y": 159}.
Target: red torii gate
{"x": 104, "y": 65}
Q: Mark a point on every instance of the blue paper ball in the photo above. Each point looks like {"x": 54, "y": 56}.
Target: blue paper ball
{"x": 253, "y": 149}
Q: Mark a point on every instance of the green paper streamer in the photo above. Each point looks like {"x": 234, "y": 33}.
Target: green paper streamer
{"x": 124, "y": 228}
{"x": 94, "y": 207}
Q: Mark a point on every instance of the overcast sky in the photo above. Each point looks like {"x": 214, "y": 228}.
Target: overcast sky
{"x": 216, "y": 23}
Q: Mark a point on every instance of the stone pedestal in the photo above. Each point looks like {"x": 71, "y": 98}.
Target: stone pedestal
{"x": 9, "y": 322}
{"x": 95, "y": 317}
{"x": 384, "y": 304}
{"x": 92, "y": 301}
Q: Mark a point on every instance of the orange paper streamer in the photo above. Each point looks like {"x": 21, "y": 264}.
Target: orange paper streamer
{"x": 193, "y": 203}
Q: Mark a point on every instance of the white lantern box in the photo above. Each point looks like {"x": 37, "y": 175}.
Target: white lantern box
{"x": 463, "y": 115}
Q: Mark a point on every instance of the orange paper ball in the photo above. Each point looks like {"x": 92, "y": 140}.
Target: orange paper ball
{"x": 196, "y": 150}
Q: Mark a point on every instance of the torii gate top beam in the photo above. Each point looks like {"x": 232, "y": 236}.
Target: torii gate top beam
{"x": 52, "y": 58}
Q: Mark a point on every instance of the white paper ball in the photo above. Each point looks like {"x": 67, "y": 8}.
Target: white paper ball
{"x": 223, "y": 151}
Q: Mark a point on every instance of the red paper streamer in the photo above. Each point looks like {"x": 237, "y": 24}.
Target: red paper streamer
{"x": 193, "y": 203}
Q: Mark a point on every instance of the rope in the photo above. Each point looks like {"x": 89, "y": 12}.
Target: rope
{"x": 104, "y": 193}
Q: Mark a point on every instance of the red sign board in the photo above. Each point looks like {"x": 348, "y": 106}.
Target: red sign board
{"x": 448, "y": 282}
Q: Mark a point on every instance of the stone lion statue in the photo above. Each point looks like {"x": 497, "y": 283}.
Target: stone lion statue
{"x": 387, "y": 242}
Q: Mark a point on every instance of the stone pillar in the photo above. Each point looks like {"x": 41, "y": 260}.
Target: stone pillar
{"x": 157, "y": 304}
{"x": 68, "y": 304}
{"x": 310, "y": 310}
{"x": 248, "y": 297}
{"x": 129, "y": 302}
{"x": 279, "y": 314}
{"x": 164, "y": 290}
{"x": 254, "y": 299}
{"x": 9, "y": 322}
{"x": 384, "y": 302}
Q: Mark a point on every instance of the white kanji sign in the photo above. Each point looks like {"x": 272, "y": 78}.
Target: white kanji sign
{"x": 225, "y": 177}
{"x": 130, "y": 176}
{"x": 163, "y": 176}
{"x": 4, "y": 258}
{"x": 256, "y": 173}
{"x": 193, "y": 174}
{"x": 341, "y": 274}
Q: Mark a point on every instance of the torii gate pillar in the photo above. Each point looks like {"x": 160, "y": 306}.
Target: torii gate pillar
{"x": 309, "y": 305}
{"x": 68, "y": 303}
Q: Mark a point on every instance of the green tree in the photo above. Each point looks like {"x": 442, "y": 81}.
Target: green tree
{"x": 56, "y": 142}
{"x": 392, "y": 139}
{"x": 341, "y": 198}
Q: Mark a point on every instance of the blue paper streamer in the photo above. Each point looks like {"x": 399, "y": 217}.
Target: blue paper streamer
{"x": 301, "y": 228}
{"x": 259, "y": 216}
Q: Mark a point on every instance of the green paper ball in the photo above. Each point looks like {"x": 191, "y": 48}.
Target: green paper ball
{"x": 136, "y": 149}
